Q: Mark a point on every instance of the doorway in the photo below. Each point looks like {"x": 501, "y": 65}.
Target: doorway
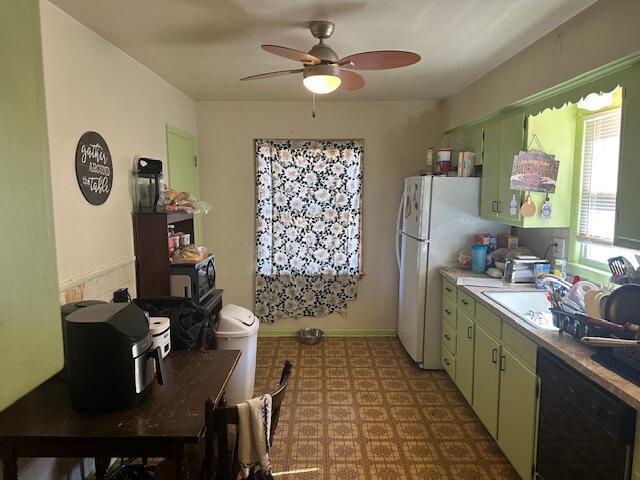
{"x": 183, "y": 168}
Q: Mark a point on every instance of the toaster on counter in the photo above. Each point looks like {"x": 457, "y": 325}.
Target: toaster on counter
{"x": 522, "y": 269}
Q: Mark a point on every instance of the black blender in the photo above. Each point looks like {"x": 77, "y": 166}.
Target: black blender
{"x": 148, "y": 184}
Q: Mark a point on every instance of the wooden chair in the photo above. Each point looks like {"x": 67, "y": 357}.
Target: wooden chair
{"x": 218, "y": 462}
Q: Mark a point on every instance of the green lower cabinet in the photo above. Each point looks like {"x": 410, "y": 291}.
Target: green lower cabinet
{"x": 448, "y": 361}
{"x": 517, "y": 413}
{"x": 486, "y": 380}
{"x": 493, "y": 365}
{"x": 464, "y": 355}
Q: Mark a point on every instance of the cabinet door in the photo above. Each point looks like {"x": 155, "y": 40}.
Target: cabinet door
{"x": 464, "y": 356}
{"x": 517, "y": 417}
{"x": 627, "y": 232}
{"x": 512, "y": 135}
{"x": 490, "y": 169}
{"x": 474, "y": 139}
{"x": 486, "y": 380}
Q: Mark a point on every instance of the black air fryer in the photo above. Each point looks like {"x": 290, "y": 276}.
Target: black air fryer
{"x": 109, "y": 357}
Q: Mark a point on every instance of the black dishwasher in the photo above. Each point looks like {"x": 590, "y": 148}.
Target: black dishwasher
{"x": 584, "y": 433}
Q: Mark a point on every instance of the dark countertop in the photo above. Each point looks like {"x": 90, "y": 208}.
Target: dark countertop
{"x": 173, "y": 410}
{"x": 571, "y": 351}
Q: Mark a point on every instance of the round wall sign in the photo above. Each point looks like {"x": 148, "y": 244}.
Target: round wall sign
{"x": 94, "y": 170}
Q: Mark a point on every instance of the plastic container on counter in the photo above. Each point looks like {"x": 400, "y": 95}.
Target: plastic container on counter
{"x": 479, "y": 258}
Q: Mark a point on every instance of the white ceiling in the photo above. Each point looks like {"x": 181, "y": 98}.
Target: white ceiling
{"x": 204, "y": 46}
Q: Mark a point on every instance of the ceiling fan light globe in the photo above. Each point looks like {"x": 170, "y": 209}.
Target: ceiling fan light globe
{"x": 322, "y": 84}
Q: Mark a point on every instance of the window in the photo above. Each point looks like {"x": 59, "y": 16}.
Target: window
{"x": 307, "y": 226}
{"x": 599, "y": 180}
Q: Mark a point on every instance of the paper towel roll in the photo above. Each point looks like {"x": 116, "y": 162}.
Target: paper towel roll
{"x": 160, "y": 329}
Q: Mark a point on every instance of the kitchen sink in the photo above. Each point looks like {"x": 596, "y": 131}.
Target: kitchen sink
{"x": 532, "y": 307}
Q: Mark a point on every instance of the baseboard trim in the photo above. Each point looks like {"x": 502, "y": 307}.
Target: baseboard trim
{"x": 338, "y": 332}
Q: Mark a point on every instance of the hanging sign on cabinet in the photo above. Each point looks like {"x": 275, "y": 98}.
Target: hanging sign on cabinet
{"x": 534, "y": 171}
{"x": 94, "y": 169}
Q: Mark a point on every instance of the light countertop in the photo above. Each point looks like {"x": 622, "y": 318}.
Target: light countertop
{"x": 562, "y": 345}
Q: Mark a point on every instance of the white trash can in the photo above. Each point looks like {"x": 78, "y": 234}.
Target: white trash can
{"x": 237, "y": 329}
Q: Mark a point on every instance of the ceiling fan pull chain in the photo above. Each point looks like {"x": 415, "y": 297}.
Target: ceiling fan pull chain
{"x": 313, "y": 106}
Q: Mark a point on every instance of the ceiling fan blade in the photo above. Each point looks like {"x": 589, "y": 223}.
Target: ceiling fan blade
{"x": 291, "y": 54}
{"x": 351, "y": 80}
{"x": 272, "y": 74}
{"x": 379, "y": 60}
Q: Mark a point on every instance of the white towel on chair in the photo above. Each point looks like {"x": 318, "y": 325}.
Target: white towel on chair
{"x": 254, "y": 431}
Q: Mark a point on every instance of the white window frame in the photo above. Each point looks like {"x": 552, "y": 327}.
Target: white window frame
{"x": 584, "y": 245}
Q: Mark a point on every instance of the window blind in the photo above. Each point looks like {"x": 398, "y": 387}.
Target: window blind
{"x": 600, "y": 152}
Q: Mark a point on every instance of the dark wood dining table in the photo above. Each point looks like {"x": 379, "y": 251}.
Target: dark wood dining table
{"x": 43, "y": 423}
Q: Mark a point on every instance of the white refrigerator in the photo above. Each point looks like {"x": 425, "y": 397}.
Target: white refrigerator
{"x": 437, "y": 217}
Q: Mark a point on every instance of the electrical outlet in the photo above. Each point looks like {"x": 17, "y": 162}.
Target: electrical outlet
{"x": 560, "y": 251}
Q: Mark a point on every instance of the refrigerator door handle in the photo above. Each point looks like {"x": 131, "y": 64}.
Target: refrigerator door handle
{"x": 398, "y": 232}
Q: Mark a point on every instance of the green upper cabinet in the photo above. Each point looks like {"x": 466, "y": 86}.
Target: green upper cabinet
{"x": 627, "y": 230}
{"x": 551, "y": 117}
{"x": 474, "y": 139}
{"x": 505, "y": 137}
{"x": 490, "y": 170}
{"x": 512, "y": 132}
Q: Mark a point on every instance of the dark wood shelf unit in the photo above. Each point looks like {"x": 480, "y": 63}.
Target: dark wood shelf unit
{"x": 151, "y": 246}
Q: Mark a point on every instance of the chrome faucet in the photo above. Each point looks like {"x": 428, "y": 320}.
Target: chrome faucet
{"x": 551, "y": 278}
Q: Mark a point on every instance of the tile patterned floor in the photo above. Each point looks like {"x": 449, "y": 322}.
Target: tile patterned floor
{"x": 359, "y": 409}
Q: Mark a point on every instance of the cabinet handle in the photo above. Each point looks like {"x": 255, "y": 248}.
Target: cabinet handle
{"x": 447, "y": 289}
{"x": 446, "y": 360}
{"x": 446, "y": 335}
{"x": 498, "y": 209}
{"x": 493, "y": 206}
{"x": 502, "y": 363}
{"x": 494, "y": 355}
{"x": 447, "y": 311}
{"x": 464, "y": 302}
{"x": 469, "y": 332}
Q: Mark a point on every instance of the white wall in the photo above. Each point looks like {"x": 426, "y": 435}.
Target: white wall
{"x": 92, "y": 85}
{"x": 396, "y": 136}
{"x": 603, "y": 33}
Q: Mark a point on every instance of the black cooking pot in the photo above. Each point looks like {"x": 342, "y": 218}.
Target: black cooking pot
{"x": 623, "y": 305}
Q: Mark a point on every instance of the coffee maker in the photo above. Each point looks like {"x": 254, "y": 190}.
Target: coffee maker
{"x": 109, "y": 357}
{"x": 148, "y": 184}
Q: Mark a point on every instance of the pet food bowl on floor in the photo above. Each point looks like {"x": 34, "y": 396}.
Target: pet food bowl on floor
{"x": 310, "y": 336}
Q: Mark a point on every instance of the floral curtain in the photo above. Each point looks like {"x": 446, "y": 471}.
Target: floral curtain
{"x": 307, "y": 226}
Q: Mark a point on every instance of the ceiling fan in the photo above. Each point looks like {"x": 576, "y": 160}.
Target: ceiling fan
{"x": 324, "y": 72}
